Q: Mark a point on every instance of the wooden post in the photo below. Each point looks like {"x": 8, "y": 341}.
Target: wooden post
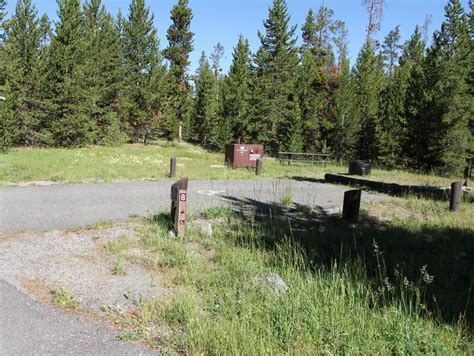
{"x": 456, "y": 196}
{"x": 173, "y": 167}
{"x": 180, "y": 133}
{"x": 179, "y": 193}
{"x": 350, "y": 210}
{"x": 258, "y": 169}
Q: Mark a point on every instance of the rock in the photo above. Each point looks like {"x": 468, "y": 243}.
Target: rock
{"x": 207, "y": 229}
{"x": 273, "y": 282}
{"x": 171, "y": 234}
{"x": 204, "y": 226}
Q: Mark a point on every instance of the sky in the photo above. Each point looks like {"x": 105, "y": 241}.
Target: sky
{"x": 223, "y": 20}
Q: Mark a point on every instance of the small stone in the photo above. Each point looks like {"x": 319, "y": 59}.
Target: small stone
{"x": 171, "y": 234}
{"x": 273, "y": 282}
{"x": 207, "y": 229}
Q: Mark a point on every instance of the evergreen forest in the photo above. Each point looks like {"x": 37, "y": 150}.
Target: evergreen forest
{"x": 91, "y": 77}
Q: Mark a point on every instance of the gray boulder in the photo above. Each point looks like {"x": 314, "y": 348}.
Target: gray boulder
{"x": 273, "y": 282}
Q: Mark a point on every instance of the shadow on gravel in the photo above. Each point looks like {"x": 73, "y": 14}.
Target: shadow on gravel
{"x": 393, "y": 189}
{"x": 448, "y": 254}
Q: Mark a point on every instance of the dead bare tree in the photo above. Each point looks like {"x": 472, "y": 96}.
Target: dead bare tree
{"x": 375, "y": 10}
{"x": 426, "y": 28}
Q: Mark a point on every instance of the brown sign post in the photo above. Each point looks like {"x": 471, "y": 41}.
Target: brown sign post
{"x": 179, "y": 196}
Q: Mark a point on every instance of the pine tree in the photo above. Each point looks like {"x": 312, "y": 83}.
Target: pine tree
{"x": 216, "y": 57}
{"x": 144, "y": 103}
{"x": 343, "y": 138}
{"x": 313, "y": 93}
{"x": 276, "y": 111}
{"x": 470, "y": 60}
{"x": 23, "y": 48}
{"x": 317, "y": 32}
{"x": 368, "y": 81}
{"x": 392, "y": 127}
{"x": 439, "y": 104}
{"x": 8, "y": 122}
{"x": 66, "y": 99}
{"x": 103, "y": 68}
{"x": 205, "y": 125}
{"x": 390, "y": 49}
{"x": 318, "y": 79}
{"x": 236, "y": 93}
{"x": 3, "y": 13}
{"x": 180, "y": 45}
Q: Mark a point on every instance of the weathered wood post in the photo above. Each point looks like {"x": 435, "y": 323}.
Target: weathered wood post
{"x": 350, "y": 210}
{"x": 259, "y": 166}
{"x": 179, "y": 193}
{"x": 456, "y": 196}
{"x": 173, "y": 167}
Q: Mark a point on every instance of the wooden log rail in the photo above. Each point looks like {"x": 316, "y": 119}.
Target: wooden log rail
{"x": 300, "y": 157}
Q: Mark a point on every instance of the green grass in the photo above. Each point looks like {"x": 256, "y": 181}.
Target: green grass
{"x": 217, "y": 212}
{"x": 135, "y": 162}
{"x": 118, "y": 245}
{"x": 338, "y": 302}
{"x": 287, "y": 199}
{"x": 64, "y": 299}
{"x": 404, "y": 177}
{"x": 119, "y": 267}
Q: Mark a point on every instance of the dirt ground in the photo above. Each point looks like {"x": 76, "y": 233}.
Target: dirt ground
{"x": 76, "y": 262}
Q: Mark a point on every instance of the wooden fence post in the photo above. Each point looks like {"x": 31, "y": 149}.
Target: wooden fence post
{"x": 258, "y": 168}
{"x": 350, "y": 210}
{"x": 173, "y": 167}
{"x": 456, "y": 196}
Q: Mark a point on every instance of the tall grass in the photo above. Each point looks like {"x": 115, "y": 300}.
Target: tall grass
{"x": 215, "y": 306}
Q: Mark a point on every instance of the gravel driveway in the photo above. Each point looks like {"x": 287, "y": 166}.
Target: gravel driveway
{"x": 44, "y": 208}
{"x": 34, "y": 262}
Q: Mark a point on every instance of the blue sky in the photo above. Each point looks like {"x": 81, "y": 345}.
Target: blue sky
{"x": 223, "y": 20}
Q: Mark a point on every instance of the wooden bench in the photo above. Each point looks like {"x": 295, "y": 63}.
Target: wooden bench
{"x": 300, "y": 157}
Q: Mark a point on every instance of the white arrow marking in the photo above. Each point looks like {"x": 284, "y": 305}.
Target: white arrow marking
{"x": 211, "y": 192}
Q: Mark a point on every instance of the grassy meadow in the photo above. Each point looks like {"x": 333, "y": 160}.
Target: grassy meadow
{"x": 135, "y": 162}
{"x": 392, "y": 284}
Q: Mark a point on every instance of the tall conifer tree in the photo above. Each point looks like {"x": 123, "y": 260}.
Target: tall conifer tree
{"x": 318, "y": 30}
{"x": 392, "y": 124}
{"x": 180, "y": 40}
{"x": 276, "y": 110}
{"x": 66, "y": 102}
{"x": 343, "y": 137}
{"x": 439, "y": 99}
{"x": 23, "y": 48}
{"x": 236, "y": 92}
{"x": 104, "y": 71}
{"x": 3, "y": 59}
{"x": 368, "y": 80}
{"x": 390, "y": 49}
{"x": 144, "y": 101}
{"x": 205, "y": 123}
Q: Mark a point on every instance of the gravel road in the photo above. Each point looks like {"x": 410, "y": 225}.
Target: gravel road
{"x": 43, "y": 208}
{"x": 28, "y": 327}
{"x": 56, "y": 259}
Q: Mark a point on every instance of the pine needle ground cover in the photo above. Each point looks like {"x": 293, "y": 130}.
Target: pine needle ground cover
{"x": 135, "y": 162}
{"x": 364, "y": 289}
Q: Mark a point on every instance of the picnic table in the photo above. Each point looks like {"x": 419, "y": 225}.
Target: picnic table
{"x": 300, "y": 157}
